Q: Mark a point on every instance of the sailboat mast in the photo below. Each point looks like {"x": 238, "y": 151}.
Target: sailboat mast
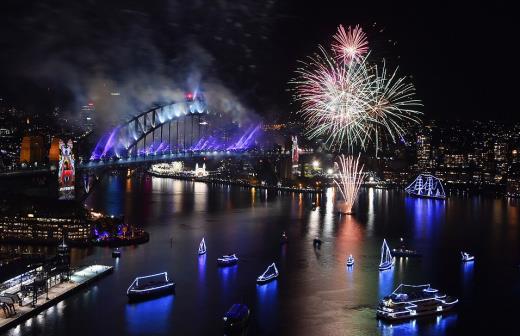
{"x": 382, "y": 251}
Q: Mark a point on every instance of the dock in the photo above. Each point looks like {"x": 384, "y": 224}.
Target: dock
{"x": 78, "y": 280}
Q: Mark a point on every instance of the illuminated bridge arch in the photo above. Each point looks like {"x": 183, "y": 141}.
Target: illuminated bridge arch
{"x": 170, "y": 127}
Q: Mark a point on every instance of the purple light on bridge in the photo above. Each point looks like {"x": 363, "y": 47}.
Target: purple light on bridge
{"x": 243, "y": 142}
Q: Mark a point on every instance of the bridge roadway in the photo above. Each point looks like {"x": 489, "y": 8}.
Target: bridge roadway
{"x": 136, "y": 161}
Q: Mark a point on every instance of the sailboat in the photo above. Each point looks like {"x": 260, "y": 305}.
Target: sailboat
{"x": 270, "y": 274}
{"x": 387, "y": 261}
{"x": 202, "y": 247}
{"x": 350, "y": 261}
{"x": 466, "y": 257}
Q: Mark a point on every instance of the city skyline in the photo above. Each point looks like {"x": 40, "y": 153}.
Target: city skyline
{"x": 257, "y": 168}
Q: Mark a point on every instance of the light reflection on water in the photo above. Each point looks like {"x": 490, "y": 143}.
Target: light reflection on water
{"x": 386, "y": 283}
{"x": 316, "y": 294}
{"x": 418, "y": 327}
{"x": 149, "y": 317}
{"x": 267, "y": 302}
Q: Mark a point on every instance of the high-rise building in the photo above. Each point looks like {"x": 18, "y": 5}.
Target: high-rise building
{"x": 87, "y": 116}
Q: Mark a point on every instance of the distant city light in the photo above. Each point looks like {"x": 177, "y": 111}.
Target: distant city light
{"x": 115, "y": 94}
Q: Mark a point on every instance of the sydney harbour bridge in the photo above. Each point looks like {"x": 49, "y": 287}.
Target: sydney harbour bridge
{"x": 184, "y": 130}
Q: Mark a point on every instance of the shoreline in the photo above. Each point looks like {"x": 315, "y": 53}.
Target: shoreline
{"x": 74, "y": 243}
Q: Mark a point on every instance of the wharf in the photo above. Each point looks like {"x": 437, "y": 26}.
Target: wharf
{"x": 78, "y": 280}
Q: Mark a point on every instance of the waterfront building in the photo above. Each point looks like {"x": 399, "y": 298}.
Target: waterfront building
{"x": 32, "y": 150}
{"x": 44, "y": 221}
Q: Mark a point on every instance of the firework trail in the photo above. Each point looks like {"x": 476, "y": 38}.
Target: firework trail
{"x": 350, "y": 45}
{"x": 347, "y": 101}
{"x": 349, "y": 181}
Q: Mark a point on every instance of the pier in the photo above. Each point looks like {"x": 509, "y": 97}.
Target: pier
{"x": 23, "y": 308}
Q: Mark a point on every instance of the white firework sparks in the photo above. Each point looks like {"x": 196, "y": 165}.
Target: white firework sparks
{"x": 350, "y": 178}
{"x": 346, "y": 103}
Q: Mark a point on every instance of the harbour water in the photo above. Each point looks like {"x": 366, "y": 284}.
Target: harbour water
{"x": 315, "y": 293}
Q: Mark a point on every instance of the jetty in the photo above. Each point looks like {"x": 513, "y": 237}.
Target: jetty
{"x": 17, "y": 308}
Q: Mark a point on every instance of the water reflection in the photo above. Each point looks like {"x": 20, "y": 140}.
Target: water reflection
{"x": 227, "y": 277}
{"x": 426, "y": 214}
{"x": 202, "y": 267}
{"x": 267, "y": 301}
{"x": 150, "y": 317}
{"x": 434, "y": 325}
{"x": 386, "y": 283}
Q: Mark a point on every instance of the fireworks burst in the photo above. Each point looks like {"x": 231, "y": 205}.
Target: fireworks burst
{"x": 350, "y": 45}
{"x": 347, "y": 101}
{"x": 349, "y": 181}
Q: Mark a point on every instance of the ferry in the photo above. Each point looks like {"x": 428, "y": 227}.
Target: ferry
{"x": 387, "y": 261}
{"x": 236, "y": 319}
{"x": 409, "y": 301}
{"x": 402, "y": 251}
{"x": 227, "y": 260}
{"x": 466, "y": 257}
{"x": 150, "y": 286}
{"x": 270, "y": 274}
{"x": 350, "y": 261}
{"x": 202, "y": 247}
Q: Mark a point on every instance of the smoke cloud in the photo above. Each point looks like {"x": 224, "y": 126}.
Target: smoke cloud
{"x": 127, "y": 58}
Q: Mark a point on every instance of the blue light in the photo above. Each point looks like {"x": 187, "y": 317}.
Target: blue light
{"x": 386, "y": 283}
{"x": 150, "y": 317}
{"x": 267, "y": 306}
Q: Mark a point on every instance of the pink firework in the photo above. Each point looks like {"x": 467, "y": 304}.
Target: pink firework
{"x": 350, "y": 45}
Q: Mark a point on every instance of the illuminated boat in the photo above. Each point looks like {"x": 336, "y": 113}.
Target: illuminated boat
{"x": 270, "y": 274}
{"x": 202, "y": 247}
{"x": 227, "y": 260}
{"x": 409, "y": 301}
{"x": 116, "y": 253}
{"x": 150, "y": 286}
{"x": 350, "y": 261}
{"x": 236, "y": 319}
{"x": 427, "y": 186}
{"x": 387, "y": 261}
{"x": 402, "y": 251}
{"x": 466, "y": 257}
{"x": 316, "y": 242}
{"x": 284, "y": 239}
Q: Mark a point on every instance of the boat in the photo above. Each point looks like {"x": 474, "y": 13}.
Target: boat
{"x": 402, "y": 251}
{"x": 426, "y": 186}
{"x": 284, "y": 239}
{"x": 150, "y": 286}
{"x": 227, "y": 260}
{"x": 116, "y": 253}
{"x": 467, "y": 257}
{"x": 387, "y": 261}
{"x": 316, "y": 242}
{"x": 202, "y": 247}
{"x": 236, "y": 319}
{"x": 350, "y": 261}
{"x": 270, "y": 274}
{"x": 411, "y": 301}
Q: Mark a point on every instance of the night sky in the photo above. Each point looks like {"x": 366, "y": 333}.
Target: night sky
{"x": 460, "y": 57}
